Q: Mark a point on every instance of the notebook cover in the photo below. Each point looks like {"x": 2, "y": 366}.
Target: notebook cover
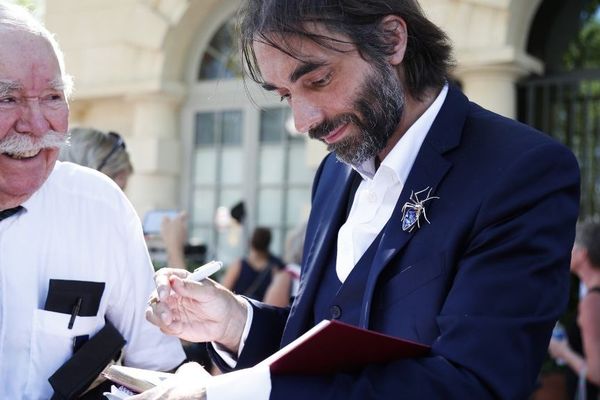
{"x": 333, "y": 346}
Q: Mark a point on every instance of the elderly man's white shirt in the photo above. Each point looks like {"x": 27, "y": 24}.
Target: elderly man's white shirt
{"x": 77, "y": 226}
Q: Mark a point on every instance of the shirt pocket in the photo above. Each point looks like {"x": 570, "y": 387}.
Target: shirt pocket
{"x": 52, "y": 344}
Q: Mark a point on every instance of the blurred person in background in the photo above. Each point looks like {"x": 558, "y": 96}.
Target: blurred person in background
{"x": 74, "y": 268}
{"x": 285, "y": 283}
{"x": 104, "y": 152}
{"x": 585, "y": 263}
{"x": 174, "y": 234}
{"x": 251, "y": 275}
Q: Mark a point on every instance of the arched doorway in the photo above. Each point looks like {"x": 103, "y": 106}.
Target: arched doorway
{"x": 565, "y": 102}
{"x": 238, "y": 150}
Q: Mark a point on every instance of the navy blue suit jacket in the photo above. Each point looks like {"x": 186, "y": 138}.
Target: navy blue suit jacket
{"x": 482, "y": 284}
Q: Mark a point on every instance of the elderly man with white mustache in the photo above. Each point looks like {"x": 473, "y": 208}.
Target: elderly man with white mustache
{"x": 74, "y": 269}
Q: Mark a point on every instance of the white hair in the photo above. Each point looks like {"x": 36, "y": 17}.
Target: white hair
{"x": 17, "y": 18}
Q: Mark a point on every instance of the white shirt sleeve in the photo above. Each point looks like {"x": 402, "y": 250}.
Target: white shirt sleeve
{"x": 147, "y": 347}
{"x": 227, "y": 356}
{"x": 250, "y": 383}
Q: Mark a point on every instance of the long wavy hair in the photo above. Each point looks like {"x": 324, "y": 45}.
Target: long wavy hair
{"x": 428, "y": 56}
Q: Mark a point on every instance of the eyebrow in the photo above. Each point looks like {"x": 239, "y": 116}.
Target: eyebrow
{"x": 7, "y": 86}
{"x": 303, "y": 69}
{"x": 297, "y": 73}
{"x": 58, "y": 83}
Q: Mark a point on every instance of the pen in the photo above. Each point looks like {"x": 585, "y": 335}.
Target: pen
{"x": 75, "y": 311}
{"x": 198, "y": 275}
{"x": 205, "y": 271}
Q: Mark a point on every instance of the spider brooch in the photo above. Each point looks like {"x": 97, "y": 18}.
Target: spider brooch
{"x": 414, "y": 208}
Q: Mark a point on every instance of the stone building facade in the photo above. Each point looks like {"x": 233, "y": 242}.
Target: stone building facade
{"x": 138, "y": 70}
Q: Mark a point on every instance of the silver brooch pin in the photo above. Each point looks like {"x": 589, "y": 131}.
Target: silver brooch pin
{"x": 414, "y": 208}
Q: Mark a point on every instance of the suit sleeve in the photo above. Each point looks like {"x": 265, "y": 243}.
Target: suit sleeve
{"x": 510, "y": 285}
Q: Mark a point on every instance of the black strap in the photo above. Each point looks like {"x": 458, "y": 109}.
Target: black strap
{"x": 9, "y": 212}
{"x": 79, "y": 371}
{"x": 594, "y": 289}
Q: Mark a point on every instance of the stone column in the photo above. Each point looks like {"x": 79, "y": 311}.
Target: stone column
{"x": 155, "y": 148}
{"x": 492, "y": 82}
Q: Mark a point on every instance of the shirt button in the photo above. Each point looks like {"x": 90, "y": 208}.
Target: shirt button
{"x": 336, "y": 312}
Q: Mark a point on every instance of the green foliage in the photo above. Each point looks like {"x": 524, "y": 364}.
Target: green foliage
{"x": 584, "y": 51}
{"x": 31, "y": 5}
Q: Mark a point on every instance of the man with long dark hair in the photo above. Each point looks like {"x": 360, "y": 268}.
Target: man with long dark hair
{"x": 443, "y": 223}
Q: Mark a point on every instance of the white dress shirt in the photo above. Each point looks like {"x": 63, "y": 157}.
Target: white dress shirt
{"x": 379, "y": 190}
{"x": 78, "y": 226}
{"x": 373, "y": 204}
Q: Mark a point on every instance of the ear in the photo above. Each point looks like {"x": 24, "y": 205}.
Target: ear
{"x": 394, "y": 29}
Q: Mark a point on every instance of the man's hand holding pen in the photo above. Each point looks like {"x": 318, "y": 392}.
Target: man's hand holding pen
{"x": 196, "y": 311}
{"x": 198, "y": 275}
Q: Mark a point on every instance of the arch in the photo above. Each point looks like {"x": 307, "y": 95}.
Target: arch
{"x": 522, "y": 14}
{"x": 220, "y": 60}
{"x": 189, "y": 37}
{"x": 555, "y": 26}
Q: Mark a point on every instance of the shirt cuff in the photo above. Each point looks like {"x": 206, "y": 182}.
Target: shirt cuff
{"x": 250, "y": 383}
{"x": 229, "y": 358}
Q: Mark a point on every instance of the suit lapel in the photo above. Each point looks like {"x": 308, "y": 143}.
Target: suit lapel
{"x": 329, "y": 214}
{"x": 428, "y": 170}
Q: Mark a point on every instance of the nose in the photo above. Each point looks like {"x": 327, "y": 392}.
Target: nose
{"x": 32, "y": 119}
{"x": 306, "y": 115}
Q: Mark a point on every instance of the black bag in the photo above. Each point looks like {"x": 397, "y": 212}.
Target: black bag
{"x": 79, "y": 371}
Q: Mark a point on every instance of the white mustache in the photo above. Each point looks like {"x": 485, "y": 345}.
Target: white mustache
{"x": 23, "y": 143}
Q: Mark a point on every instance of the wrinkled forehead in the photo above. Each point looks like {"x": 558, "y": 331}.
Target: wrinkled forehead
{"x": 28, "y": 59}
{"x": 18, "y": 43}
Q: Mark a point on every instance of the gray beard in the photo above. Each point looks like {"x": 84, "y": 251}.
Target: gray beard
{"x": 381, "y": 105}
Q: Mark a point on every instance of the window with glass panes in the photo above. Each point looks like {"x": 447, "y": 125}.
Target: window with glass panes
{"x": 284, "y": 181}
{"x": 241, "y": 152}
{"x": 217, "y": 174}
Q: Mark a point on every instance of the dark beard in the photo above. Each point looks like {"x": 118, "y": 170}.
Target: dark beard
{"x": 380, "y": 104}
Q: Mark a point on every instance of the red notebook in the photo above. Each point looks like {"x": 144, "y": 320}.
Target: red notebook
{"x": 333, "y": 346}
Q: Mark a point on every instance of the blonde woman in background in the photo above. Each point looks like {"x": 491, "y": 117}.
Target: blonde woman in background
{"x": 101, "y": 151}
